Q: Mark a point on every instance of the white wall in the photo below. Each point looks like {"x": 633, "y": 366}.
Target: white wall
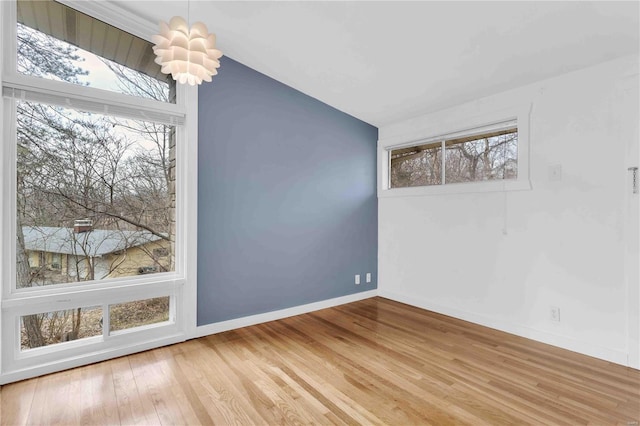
{"x": 501, "y": 259}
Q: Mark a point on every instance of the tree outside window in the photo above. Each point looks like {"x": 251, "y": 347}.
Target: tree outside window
{"x": 95, "y": 192}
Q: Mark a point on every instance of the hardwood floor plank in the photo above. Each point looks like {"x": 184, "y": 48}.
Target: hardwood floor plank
{"x": 313, "y": 353}
{"x": 57, "y": 399}
{"x": 372, "y": 362}
{"x": 16, "y": 401}
{"x": 295, "y": 364}
{"x": 97, "y": 391}
{"x": 272, "y": 381}
{"x": 133, "y": 407}
{"x": 158, "y": 387}
{"x": 369, "y": 373}
{"x": 232, "y": 403}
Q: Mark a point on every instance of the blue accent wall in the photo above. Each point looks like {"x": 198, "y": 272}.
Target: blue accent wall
{"x": 287, "y": 207}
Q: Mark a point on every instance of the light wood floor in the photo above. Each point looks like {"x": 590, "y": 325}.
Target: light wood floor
{"x": 369, "y": 362}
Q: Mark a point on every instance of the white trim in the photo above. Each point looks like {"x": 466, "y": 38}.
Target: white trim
{"x": 520, "y": 114}
{"x": 459, "y": 188}
{"x": 454, "y": 123}
{"x": 8, "y": 203}
{"x": 629, "y": 84}
{"x": 507, "y": 123}
{"x": 574, "y": 345}
{"x": 189, "y": 189}
{"x": 22, "y": 295}
{"x": 14, "y": 358}
{"x": 219, "y": 327}
{"x": 8, "y": 18}
{"x": 4, "y": 189}
{"x": 180, "y": 284}
{"x": 91, "y": 99}
{"x": 73, "y": 299}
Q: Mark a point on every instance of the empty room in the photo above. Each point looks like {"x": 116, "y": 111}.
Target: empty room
{"x": 320, "y": 212}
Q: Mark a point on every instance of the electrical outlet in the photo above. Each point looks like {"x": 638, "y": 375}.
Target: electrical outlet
{"x": 357, "y": 279}
{"x": 554, "y": 314}
{"x": 368, "y": 277}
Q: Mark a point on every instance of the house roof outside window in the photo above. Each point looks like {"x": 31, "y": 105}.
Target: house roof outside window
{"x": 94, "y": 243}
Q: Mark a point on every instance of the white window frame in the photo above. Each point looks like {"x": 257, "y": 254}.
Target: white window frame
{"x": 180, "y": 284}
{"x": 520, "y": 115}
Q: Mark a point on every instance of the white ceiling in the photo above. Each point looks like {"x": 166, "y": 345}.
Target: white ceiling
{"x": 386, "y": 61}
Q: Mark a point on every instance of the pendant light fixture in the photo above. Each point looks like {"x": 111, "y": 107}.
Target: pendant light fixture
{"x": 188, "y": 54}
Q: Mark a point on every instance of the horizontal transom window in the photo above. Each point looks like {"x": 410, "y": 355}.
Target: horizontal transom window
{"x": 482, "y": 154}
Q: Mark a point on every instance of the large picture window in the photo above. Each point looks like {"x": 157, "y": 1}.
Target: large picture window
{"x": 93, "y": 195}
{"x": 94, "y": 228}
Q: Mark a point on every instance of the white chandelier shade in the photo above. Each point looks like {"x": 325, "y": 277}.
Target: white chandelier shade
{"x": 189, "y": 55}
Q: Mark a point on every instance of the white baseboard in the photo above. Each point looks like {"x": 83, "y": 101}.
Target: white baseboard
{"x": 611, "y": 355}
{"x": 219, "y": 327}
{"x": 564, "y": 342}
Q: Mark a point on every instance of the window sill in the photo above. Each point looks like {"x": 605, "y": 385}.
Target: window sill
{"x": 457, "y": 188}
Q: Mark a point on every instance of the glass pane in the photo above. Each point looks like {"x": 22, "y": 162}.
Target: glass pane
{"x": 136, "y": 314}
{"x": 485, "y": 157}
{"x": 59, "y": 43}
{"x": 50, "y": 328}
{"x": 95, "y": 196}
{"x": 416, "y": 166}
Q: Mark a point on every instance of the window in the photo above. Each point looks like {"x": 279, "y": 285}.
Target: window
{"x": 89, "y": 185}
{"x": 160, "y": 252}
{"x": 95, "y": 221}
{"x": 123, "y": 316}
{"x": 51, "y": 328}
{"x": 147, "y": 270}
{"x": 56, "y": 261}
{"x": 94, "y": 53}
{"x": 483, "y": 158}
{"x": 472, "y": 157}
{"x": 73, "y": 164}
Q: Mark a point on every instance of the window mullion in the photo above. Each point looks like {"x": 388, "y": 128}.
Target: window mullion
{"x": 442, "y": 162}
{"x": 105, "y": 321}
{"x": 388, "y": 153}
